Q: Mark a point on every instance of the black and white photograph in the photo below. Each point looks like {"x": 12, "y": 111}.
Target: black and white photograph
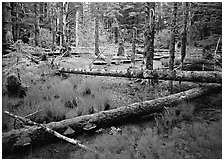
{"x": 111, "y": 80}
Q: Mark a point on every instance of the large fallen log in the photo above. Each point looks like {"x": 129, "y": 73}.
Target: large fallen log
{"x": 29, "y": 122}
{"x": 192, "y": 76}
{"x": 37, "y": 135}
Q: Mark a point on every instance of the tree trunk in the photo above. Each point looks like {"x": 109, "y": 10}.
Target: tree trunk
{"x": 190, "y": 76}
{"x": 159, "y": 17}
{"x": 37, "y": 135}
{"x": 64, "y": 28}
{"x": 116, "y": 35}
{"x": 184, "y": 34}
{"x": 77, "y": 28}
{"x": 61, "y": 24}
{"x": 96, "y": 18}
{"x": 134, "y": 45}
{"x": 7, "y": 37}
{"x": 172, "y": 42}
{"x": 14, "y": 13}
{"x": 36, "y": 25}
{"x": 48, "y": 10}
{"x": 149, "y": 34}
{"x": 53, "y": 27}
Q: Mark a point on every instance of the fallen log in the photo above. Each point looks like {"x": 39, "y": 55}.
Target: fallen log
{"x": 37, "y": 136}
{"x": 29, "y": 122}
{"x": 191, "y": 76}
{"x": 176, "y": 75}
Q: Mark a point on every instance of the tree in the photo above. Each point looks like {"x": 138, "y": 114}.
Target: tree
{"x": 15, "y": 20}
{"x": 64, "y": 22}
{"x": 184, "y": 33}
{"x": 134, "y": 45}
{"x": 96, "y": 20}
{"x": 36, "y": 25}
{"x": 172, "y": 42}
{"x": 7, "y": 37}
{"x": 205, "y": 21}
{"x": 149, "y": 34}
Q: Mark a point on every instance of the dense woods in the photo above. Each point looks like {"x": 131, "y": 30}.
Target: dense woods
{"x": 158, "y": 95}
{"x": 62, "y": 20}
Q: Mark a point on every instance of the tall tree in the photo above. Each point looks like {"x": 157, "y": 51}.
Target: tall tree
{"x": 96, "y": 19}
{"x": 184, "y": 33}
{"x": 172, "y": 42}
{"x": 77, "y": 28}
{"x": 36, "y": 25}
{"x": 134, "y": 37}
{"x": 149, "y": 34}
{"x": 64, "y": 19}
{"x": 52, "y": 11}
{"x": 15, "y": 20}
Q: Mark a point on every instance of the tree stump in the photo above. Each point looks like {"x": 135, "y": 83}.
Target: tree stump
{"x": 14, "y": 87}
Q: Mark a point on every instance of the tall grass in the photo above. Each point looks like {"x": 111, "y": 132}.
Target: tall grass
{"x": 57, "y": 99}
{"x": 192, "y": 141}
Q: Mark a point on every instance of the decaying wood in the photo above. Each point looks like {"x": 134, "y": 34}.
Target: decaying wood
{"x": 58, "y": 135}
{"x": 192, "y": 76}
{"x": 37, "y": 135}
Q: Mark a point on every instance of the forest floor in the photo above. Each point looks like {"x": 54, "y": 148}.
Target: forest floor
{"x": 195, "y": 133}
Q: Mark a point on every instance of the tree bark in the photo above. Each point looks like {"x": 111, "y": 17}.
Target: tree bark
{"x": 36, "y": 25}
{"x": 159, "y": 26}
{"x": 190, "y": 76}
{"x": 149, "y": 34}
{"x": 172, "y": 42}
{"x": 184, "y": 34}
{"x": 134, "y": 34}
{"x": 96, "y": 18}
{"x": 7, "y": 37}
{"x": 54, "y": 26}
{"x": 37, "y": 135}
{"x": 14, "y": 13}
{"x": 77, "y": 28}
{"x": 64, "y": 19}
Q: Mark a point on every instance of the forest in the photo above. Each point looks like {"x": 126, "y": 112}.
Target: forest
{"x": 111, "y": 80}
